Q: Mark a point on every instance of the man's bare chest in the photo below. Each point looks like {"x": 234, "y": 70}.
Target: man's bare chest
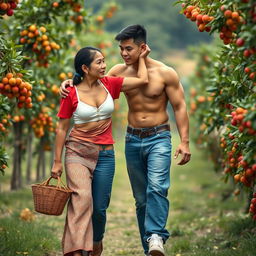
{"x": 153, "y": 89}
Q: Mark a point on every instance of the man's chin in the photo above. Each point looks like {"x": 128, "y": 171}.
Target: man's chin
{"x": 127, "y": 62}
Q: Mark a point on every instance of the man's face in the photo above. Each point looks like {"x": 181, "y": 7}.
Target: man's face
{"x": 129, "y": 51}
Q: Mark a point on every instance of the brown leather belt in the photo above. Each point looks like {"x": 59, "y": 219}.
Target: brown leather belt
{"x": 146, "y": 132}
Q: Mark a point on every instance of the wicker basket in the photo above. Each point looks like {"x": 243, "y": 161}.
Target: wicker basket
{"x": 50, "y": 199}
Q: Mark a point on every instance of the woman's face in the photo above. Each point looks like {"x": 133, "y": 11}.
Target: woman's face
{"x": 98, "y": 66}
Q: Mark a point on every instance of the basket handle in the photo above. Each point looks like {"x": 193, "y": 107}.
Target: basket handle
{"x": 60, "y": 182}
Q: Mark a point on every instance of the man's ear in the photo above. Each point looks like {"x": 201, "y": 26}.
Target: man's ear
{"x": 143, "y": 46}
{"x": 85, "y": 69}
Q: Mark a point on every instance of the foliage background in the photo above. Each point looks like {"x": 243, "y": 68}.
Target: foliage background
{"x": 167, "y": 29}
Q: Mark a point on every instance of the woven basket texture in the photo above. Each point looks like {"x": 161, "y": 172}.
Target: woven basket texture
{"x": 50, "y": 199}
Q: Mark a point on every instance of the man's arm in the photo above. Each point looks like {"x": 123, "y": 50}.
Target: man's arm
{"x": 116, "y": 70}
{"x": 175, "y": 94}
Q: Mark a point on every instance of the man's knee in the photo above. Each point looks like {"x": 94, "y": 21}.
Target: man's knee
{"x": 160, "y": 189}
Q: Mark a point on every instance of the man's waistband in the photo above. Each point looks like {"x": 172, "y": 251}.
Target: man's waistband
{"x": 146, "y": 132}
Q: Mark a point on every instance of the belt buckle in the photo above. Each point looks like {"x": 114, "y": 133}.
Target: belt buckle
{"x": 142, "y": 134}
{"x": 145, "y": 134}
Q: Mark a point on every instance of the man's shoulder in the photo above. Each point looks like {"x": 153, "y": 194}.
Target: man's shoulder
{"x": 167, "y": 73}
{"x": 117, "y": 69}
{"x": 163, "y": 68}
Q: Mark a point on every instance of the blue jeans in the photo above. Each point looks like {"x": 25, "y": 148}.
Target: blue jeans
{"x": 148, "y": 162}
{"x": 101, "y": 191}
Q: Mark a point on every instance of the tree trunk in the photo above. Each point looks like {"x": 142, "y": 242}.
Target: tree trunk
{"x": 41, "y": 167}
{"x": 16, "y": 180}
{"x": 43, "y": 157}
{"x": 29, "y": 154}
{"x": 38, "y": 165}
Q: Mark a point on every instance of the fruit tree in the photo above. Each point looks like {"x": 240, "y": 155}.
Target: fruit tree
{"x": 223, "y": 100}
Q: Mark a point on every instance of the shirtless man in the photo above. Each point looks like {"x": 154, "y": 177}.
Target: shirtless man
{"x": 148, "y": 139}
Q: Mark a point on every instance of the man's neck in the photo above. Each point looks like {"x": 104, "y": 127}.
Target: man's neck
{"x": 135, "y": 65}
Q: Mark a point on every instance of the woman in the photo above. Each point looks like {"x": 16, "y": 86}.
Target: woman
{"x": 89, "y": 157}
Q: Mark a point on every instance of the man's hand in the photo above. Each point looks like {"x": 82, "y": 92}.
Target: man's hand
{"x": 145, "y": 52}
{"x": 183, "y": 149}
{"x": 63, "y": 91}
{"x": 56, "y": 169}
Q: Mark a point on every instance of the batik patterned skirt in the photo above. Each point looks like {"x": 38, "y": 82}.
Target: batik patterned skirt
{"x": 80, "y": 161}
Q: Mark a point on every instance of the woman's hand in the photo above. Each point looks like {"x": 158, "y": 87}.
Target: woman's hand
{"x": 56, "y": 169}
{"x": 145, "y": 51}
{"x": 63, "y": 91}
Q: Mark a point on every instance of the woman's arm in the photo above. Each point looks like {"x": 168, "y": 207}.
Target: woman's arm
{"x": 60, "y": 138}
{"x": 130, "y": 83}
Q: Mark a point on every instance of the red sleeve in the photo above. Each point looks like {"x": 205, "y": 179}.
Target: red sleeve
{"x": 113, "y": 84}
{"x": 68, "y": 105}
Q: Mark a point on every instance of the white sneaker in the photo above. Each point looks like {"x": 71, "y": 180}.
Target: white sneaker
{"x": 156, "y": 247}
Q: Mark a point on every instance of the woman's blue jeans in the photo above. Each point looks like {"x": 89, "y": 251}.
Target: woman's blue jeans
{"x": 101, "y": 191}
{"x": 148, "y": 162}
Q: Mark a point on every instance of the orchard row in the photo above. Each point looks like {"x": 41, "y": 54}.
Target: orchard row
{"x": 37, "y": 45}
{"x": 222, "y": 103}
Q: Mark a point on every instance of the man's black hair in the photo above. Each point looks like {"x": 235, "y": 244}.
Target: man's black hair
{"x": 136, "y": 32}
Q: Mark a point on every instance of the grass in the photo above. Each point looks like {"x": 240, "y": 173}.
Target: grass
{"x": 203, "y": 220}
{"x": 25, "y": 238}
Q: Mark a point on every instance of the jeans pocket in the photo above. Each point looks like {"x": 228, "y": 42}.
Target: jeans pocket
{"x": 165, "y": 134}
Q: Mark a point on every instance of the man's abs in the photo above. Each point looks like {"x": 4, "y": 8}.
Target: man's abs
{"x": 146, "y": 110}
{"x": 145, "y": 120}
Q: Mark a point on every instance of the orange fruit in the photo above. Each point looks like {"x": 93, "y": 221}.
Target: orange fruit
{"x": 31, "y": 35}
{"x": 18, "y": 81}
{"x": 99, "y": 18}
{"x": 237, "y": 178}
{"x": 15, "y": 89}
{"x": 22, "y": 118}
{"x": 240, "y": 110}
{"x": 32, "y": 28}
{"x": 7, "y": 87}
{"x": 3, "y": 6}
{"x": 45, "y": 43}
{"x": 55, "y": 4}
{"x": 16, "y": 118}
{"x": 29, "y": 105}
{"x": 24, "y": 32}
{"x": 5, "y": 80}
{"x": 201, "y": 99}
{"x": 23, "y": 40}
{"x": 43, "y": 29}
{"x": 201, "y": 27}
{"x": 24, "y": 91}
{"x": 229, "y": 22}
{"x": 48, "y": 48}
{"x": 12, "y": 81}
{"x": 44, "y": 37}
{"x": 62, "y": 76}
{"x": 235, "y": 15}
{"x": 28, "y": 100}
{"x": 22, "y": 98}
{"x": 228, "y": 14}
{"x": 9, "y": 75}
